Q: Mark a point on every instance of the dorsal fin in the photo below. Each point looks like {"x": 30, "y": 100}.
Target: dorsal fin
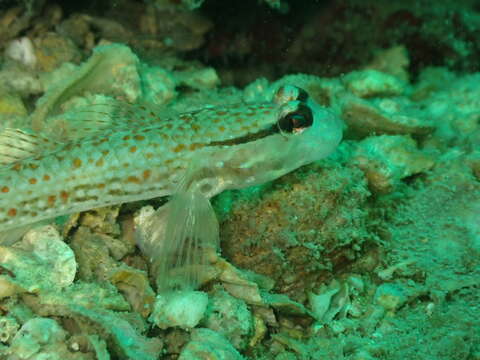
{"x": 111, "y": 115}
{"x": 78, "y": 123}
{"x": 16, "y": 144}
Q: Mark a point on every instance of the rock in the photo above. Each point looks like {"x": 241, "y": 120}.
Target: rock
{"x": 230, "y": 317}
{"x": 42, "y": 338}
{"x": 128, "y": 343}
{"x": 236, "y": 283}
{"x": 373, "y": 83}
{"x": 8, "y": 328}
{"x": 206, "y": 344}
{"x": 184, "y": 309}
{"x": 92, "y": 252}
{"x": 134, "y": 285}
{"x": 86, "y": 295}
{"x": 384, "y": 116}
{"x": 284, "y": 305}
{"x": 386, "y": 160}
{"x": 22, "y": 51}
{"x": 159, "y": 85}
{"x": 41, "y": 261}
{"x": 297, "y": 229}
{"x": 393, "y": 61}
{"x": 52, "y": 50}
{"x": 11, "y": 104}
{"x": 112, "y": 69}
{"x": 331, "y": 301}
{"x": 390, "y": 296}
{"x": 204, "y": 78}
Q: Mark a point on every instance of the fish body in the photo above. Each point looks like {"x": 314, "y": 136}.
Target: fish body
{"x": 141, "y": 156}
{"x": 141, "y": 161}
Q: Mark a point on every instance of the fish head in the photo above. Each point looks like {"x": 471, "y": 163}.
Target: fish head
{"x": 300, "y": 132}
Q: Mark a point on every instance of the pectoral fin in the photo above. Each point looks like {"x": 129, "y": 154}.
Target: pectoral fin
{"x": 184, "y": 234}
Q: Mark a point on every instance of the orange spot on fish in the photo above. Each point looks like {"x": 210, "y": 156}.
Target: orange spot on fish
{"x": 101, "y": 185}
{"x": 149, "y": 155}
{"x": 146, "y": 174}
{"x": 5, "y": 189}
{"x": 221, "y": 128}
{"x": 186, "y": 117}
{"x": 105, "y": 152}
{"x": 33, "y": 166}
{"x": 139, "y": 137}
{"x": 133, "y": 179}
{"x": 51, "y": 200}
{"x": 12, "y": 212}
{"x": 178, "y": 148}
{"x": 195, "y": 146}
{"x": 126, "y": 137}
{"x": 32, "y": 181}
{"x": 46, "y": 177}
{"x": 64, "y": 196}
{"x": 17, "y": 167}
{"x": 100, "y": 162}
{"x": 133, "y": 149}
{"x": 76, "y": 163}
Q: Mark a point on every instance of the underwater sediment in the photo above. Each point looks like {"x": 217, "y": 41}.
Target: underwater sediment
{"x": 370, "y": 253}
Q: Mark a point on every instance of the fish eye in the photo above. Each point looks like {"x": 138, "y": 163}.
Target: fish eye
{"x": 296, "y": 121}
{"x": 302, "y": 95}
{"x": 288, "y": 93}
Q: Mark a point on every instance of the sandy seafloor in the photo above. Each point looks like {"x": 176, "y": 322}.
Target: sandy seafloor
{"x": 370, "y": 253}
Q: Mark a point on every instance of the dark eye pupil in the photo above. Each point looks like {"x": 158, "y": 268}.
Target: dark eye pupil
{"x": 302, "y": 95}
{"x": 296, "y": 120}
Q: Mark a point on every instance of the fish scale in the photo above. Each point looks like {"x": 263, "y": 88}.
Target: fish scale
{"x": 139, "y": 156}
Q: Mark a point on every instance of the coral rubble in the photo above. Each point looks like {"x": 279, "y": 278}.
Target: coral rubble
{"x": 372, "y": 253}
